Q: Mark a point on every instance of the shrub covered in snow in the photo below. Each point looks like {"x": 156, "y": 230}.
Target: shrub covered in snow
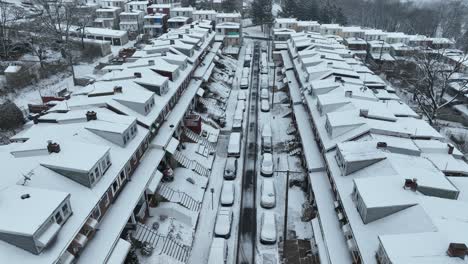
{"x": 11, "y": 116}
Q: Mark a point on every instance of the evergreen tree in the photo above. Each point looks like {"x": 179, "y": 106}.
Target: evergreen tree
{"x": 307, "y": 10}
{"x": 229, "y": 6}
{"x": 132, "y": 257}
{"x": 261, "y": 12}
{"x": 289, "y": 8}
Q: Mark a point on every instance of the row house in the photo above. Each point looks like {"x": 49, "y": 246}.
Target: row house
{"x": 178, "y": 22}
{"x": 231, "y": 33}
{"x": 182, "y": 12}
{"x": 155, "y": 24}
{"x": 331, "y": 29}
{"x": 396, "y": 37}
{"x": 285, "y": 23}
{"x": 361, "y": 129}
{"x": 200, "y": 15}
{"x": 374, "y": 34}
{"x": 137, "y": 5}
{"x": 228, "y": 17}
{"x": 308, "y": 26}
{"x": 352, "y": 32}
{"x": 113, "y": 3}
{"x": 107, "y": 17}
{"x": 159, "y": 8}
{"x": 109, "y": 125}
{"x": 132, "y": 21}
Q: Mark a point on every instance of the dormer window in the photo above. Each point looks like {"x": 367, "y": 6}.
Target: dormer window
{"x": 58, "y": 218}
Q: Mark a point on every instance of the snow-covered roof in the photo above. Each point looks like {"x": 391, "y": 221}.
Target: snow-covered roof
{"x": 24, "y": 216}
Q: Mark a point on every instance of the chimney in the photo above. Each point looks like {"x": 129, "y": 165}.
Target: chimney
{"x": 172, "y": 42}
{"x": 192, "y": 26}
{"x": 364, "y": 112}
{"x": 36, "y": 120}
{"x": 348, "y": 94}
{"x": 381, "y": 144}
{"x": 137, "y": 74}
{"x": 322, "y": 56}
{"x": 457, "y": 250}
{"x": 338, "y": 79}
{"x": 181, "y": 36}
{"x": 450, "y": 148}
{"x": 411, "y": 184}
{"x": 187, "y": 31}
{"x": 117, "y": 89}
{"x": 91, "y": 115}
{"x": 53, "y": 147}
{"x": 150, "y": 62}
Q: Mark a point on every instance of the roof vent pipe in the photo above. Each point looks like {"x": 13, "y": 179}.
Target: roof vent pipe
{"x": 349, "y": 94}
{"x": 364, "y": 112}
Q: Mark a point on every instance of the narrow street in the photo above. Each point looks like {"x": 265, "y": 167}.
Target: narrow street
{"x": 248, "y": 221}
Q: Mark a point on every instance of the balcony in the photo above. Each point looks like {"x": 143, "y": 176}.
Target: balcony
{"x": 80, "y": 240}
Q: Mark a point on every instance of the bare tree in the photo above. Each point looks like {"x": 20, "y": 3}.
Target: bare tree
{"x": 433, "y": 80}
{"x": 9, "y": 15}
{"x": 56, "y": 23}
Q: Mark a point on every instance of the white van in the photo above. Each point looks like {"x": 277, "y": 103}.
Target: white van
{"x": 234, "y": 146}
{"x": 244, "y": 84}
{"x": 241, "y": 96}
{"x": 268, "y": 194}
{"x": 265, "y": 105}
{"x": 267, "y": 139}
{"x": 218, "y": 251}
{"x": 264, "y": 94}
{"x": 228, "y": 193}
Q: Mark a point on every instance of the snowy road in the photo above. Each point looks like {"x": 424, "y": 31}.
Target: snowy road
{"x": 248, "y": 221}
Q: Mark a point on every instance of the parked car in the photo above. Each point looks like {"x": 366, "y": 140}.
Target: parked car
{"x": 265, "y": 105}
{"x": 268, "y": 228}
{"x": 264, "y": 93}
{"x": 230, "y": 169}
{"x": 267, "y": 140}
{"x": 227, "y": 193}
{"x": 241, "y": 96}
{"x": 223, "y": 223}
{"x": 268, "y": 194}
{"x": 267, "y": 164}
{"x": 218, "y": 251}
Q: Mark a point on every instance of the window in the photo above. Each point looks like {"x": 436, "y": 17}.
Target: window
{"x": 65, "y": 209}
{"x": 96, "y": 171}
{"x": 115, "y": 186}
{"x": 58, "y": 218}
{"x": 91, "y": 178}
{"x": 122, "y": 176}
{"x": 106, "y": 200}
{"x": 103, "y": 164}
{"x": 108, "y": 160}
{"x": 96, "y": 213}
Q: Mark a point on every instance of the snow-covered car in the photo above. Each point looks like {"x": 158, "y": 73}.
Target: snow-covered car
{"x": 227, "y": 193}
{"x": 267, "y": 164}
{"x": 230, "y": 169}
{"x": 265, "y": 105}
{"x": 223, "y": 223}
{"x": 268, "y": 194}
{"x": 268, "y": 228}
{"x": 264, "y": 93}
{"x": 241, "y": 96}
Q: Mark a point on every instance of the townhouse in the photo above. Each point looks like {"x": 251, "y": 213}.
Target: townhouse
{"x": 91, "y": 162}
{"x": 136, "y": 5}
{"x": 229, "y": 29}
{"x": 383, "y": 181}
{"x": 107, "y": 17}
{"x": 199, "y": 15}
{"x": 132, "y": 21}
{"x": 285, "y": 23}
{"x": 155, "y": 24}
